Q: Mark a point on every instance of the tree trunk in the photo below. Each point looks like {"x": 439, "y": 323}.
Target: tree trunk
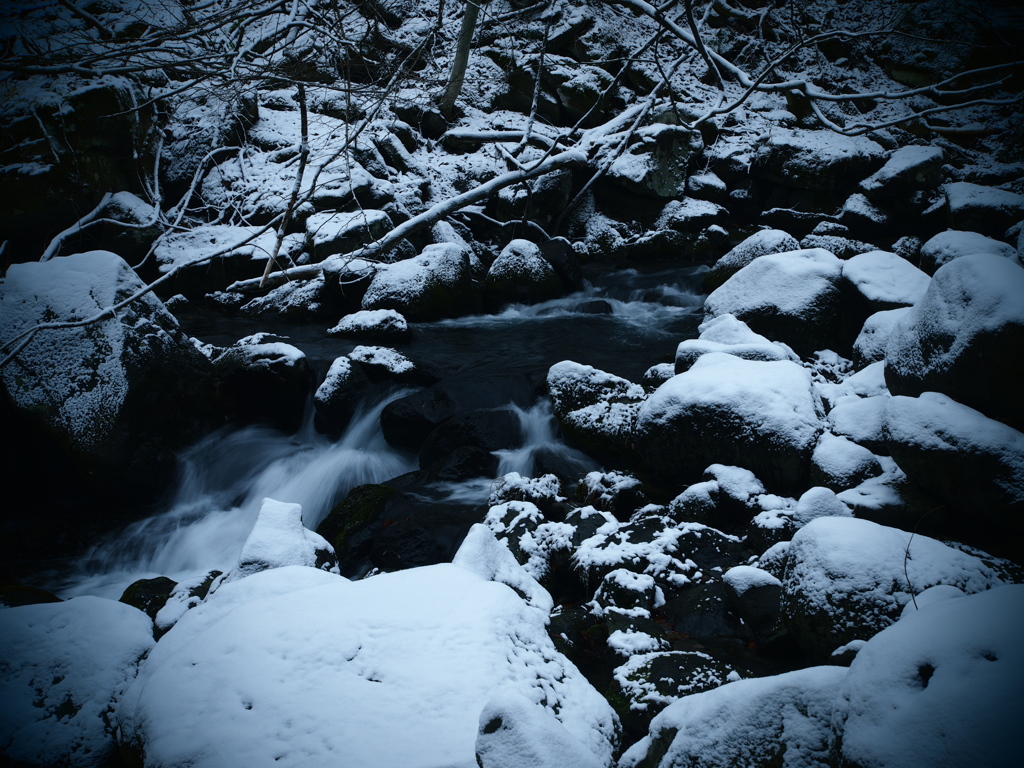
{"x": 458, "y": 73}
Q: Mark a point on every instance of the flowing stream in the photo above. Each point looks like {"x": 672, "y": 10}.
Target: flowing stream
{"x": 623, "y": 322}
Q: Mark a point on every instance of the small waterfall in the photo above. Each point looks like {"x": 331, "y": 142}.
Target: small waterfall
{"x": 224, "y": 479}
{"x": 540, "y": 434}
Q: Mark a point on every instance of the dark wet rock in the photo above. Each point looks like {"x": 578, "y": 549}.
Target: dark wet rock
{"x": 13, "y": 595}
{"x": 407, "y": 421}
{"x": 149, "y": 595}
{"x": 464, "y": 463}
{"x": 702, "y": 611}
{"x": 491, "y": 430}
{"x": 264, "y": 380}
{"x": 335, "y": 399}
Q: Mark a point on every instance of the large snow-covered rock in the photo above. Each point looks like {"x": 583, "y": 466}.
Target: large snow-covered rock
{"x": 520, "y": 275}
{"x": 120, "y": 394}
{"x": 778, "y": 722}
{"x": 815, "y": 160}
{"x": 952, "y": 244}
{"x": 963, "y": 338}
{"x": 792, "y": 297}
{"x": 63, "y": 667}
{"x": 977, "y": 208}
{"x": 869, "y": 346}
{"x": 727, "y": 334}
{"x": 940, "y": 687}
{"x": 963, "y": 457}
{"x": 759, "y": 415}
{"x": 228, "y": 253}
{"x": 433, "y": 285}
{"x": 294, "y": 666}
{"x": 846, "y": 579}
{"x": 656, "y": 162}
{"x": 758, "y": 244}
{"x": 333, "y": 232}
{"x": 884, "y": 281}
{"x": 597, "y": 410}
{"x": 908, "y": 169}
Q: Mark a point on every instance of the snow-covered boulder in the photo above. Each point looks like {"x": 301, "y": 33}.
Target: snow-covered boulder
{"x": 435, "y": 284}
{"x": 940, "y": 687}
{"x": 333, "y": 232}
{"x": 759, "y": 415}
{"x": 391, "y": 670}
{"x": 648, "y": 682}
{"x": 869, "y": 346}
{"x": 278, "y": 539}
{"x": 517, "y": 732}
{"x": 63, "y": 668}
{"x": 760, "y": 723}
{"x": 318, "y": 298}
{"x": 388, "y": 364}
{"x": 335, "y": 399}
{"x": 758, "y": 244}
{"x": 756, "y": 596}
{"x": 860, "y": 419}
{"x": 908, "y": 169}
{"x": 520, "y": 275}
{"x": 657, "y": 160}
{"x": 977, "y": 208}
{"x": 264, "y": 379}
{"x": 952, "y": 244}
{"x": 962, "y": 338}
{"x": 597, "y": 410}
{"x": 846, "y": 579}
{"x": 374, "y": 324}
{"x": 235, "y": 253}
{"x": 792, "y": 297}
{"x": 880, "y": 280}
{"x": 119, "y": 395}
{"x": 727, "y": 334}
{"x": 840, "y": 463}
{"x": 820, "y": 161}
{"x": 963, "y": 457}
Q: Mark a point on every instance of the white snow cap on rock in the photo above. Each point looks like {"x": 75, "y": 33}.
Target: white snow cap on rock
{"x": 279, "y": 539}
{"x": 952, "y": 244}
{"x": 784, "y": 280}
{"x": 886, "y": 279}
